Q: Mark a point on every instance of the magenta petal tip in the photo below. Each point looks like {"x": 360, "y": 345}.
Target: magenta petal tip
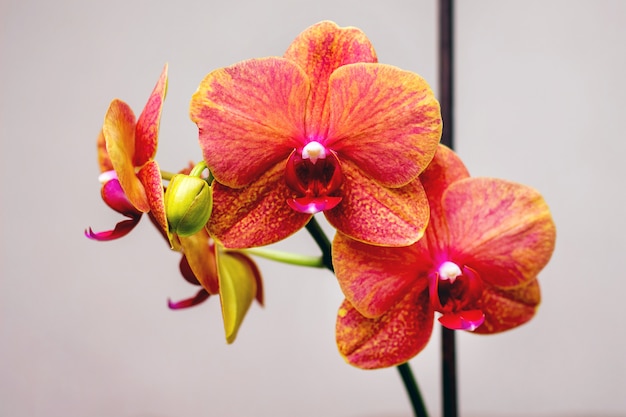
{"x": 201, "y": 296}
{"x": 465, "y": 320}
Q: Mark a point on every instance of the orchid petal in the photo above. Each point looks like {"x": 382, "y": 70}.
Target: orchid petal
{"x": 150, "y": 177}
{"x": 103, "y": 157}
{"x": 147, "y": 129}
{"x": 509, "y": 308}
{"x": 121, "y": 229}
{"x": 119, "y": 135}
{"x": 256, "y": 215}
{"x": 320, "y": 50}
{"x": 187, "y": 272}
{"x": 114, "y": 197}
{"x": 256, "y": 273}
{"x": 386, "y": 120}
{"x": 200, "y": 297}
{"x": 378, "y": 215}
{"x": 503, "y": 229}
{"x": 250, "y": 117}
{"x": 200, "y": 254}
{"x": 463, "y": 320}
{"x": 374, "y": 278}
{"x": 238, "y": 287}
{"x": 445, "y": 169}
{"x": 392, "y": 339}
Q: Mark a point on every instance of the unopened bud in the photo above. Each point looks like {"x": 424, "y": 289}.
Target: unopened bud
{"x": 188, "y": 204}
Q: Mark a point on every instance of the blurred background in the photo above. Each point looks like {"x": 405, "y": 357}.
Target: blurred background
{"x": 84, "y": 326}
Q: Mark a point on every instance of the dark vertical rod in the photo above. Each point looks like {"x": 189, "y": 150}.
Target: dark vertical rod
{"x": 446, "y": 99}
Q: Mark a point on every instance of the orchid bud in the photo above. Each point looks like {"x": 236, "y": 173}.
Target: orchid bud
{"x": 188, "y": 204}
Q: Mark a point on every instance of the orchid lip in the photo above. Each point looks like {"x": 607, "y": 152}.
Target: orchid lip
{"x": 313, "y": 205}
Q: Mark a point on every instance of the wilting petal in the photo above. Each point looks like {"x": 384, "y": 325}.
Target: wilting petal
{"x": 504, "y": 229}
{"x": 200, "y": 255}
{"x": 256, "y": 215}
{"x": 121, "y": 229}
{"x": 147, "y": 129}
{"x": 250, "y": 117}
{"x": 150, "y": 177}
{"x": 320, "y": 50}
{"x": 389, "y": 340}
{"x": 238, "y": 287}
{"x": 200, "y": 296}
{"x": 119, "y": 135}
{"x": 254, "y": 269}
{"x": 508, "y": 308}
{"x": 386, "y": 120}
{"x": 378, "y": 215}
{"x": 374, "y": 278}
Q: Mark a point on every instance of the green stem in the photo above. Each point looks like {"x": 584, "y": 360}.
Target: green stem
{"x": 405, "y": 370}
{"x": 166, "y": 175}
{"x": 286, "y": 257}
{"x": 197, "y": 170}
{"x": 419, "y": 410}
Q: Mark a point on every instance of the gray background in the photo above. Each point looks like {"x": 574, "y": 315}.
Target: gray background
{"x": 84, "y": 328}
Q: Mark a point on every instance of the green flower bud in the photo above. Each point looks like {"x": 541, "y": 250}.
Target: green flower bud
{"x": 188, "y": 204}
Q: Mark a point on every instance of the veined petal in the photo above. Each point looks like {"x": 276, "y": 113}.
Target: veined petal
{"x": 147, "y": 129}
{"x": 250, "y": 117}
{"x": 103, "y": 157}
{"x": 508, "y": 308}
{"x": 389, "y": 340}
{"x": 374, "y": 278}
{"x": 445, "y": 169}
{"x": 119, "y": 135}
{"x": 320, "y": 50}
{"x": 150, "y": 177}
{"x": 200, "y": 255}
{"x": 256, "y": 215}
{"x": 505, "y": 230}
{"x": 377, "y": 215}
{"x": 238, "y": 287}
{"x": 386, "y": 120}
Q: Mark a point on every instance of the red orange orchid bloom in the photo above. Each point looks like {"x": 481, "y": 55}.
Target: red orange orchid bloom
{"x": 324, "y": 128}
{"x": 131, "y": 176}
{"x": 476, "y": 267}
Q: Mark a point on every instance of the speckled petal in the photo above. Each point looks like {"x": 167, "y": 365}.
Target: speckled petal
{"x": 320, "y": 50}
{"x": 119, "y": 135}
{"x": 256, "y": 215}
{"x": 250, "y": 117}
{"x": 150, "y": 177}
{"x": 104, "y": 162}
{"x": 386, "y": 120}
{"x": 147, "y": 129}
{"x": 374, "y": 278}
{"x": 374, "y": 214}
{"x": 502, "y": 229}
{"x": 508, "y": 308}
{"x": 389, "y": 340}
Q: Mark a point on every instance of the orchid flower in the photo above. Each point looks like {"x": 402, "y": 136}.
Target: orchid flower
{"x": 131, "y": 177}
{"x": 326, "y": 129}
{"x": 231, "y": 274}
{"x": 476, "y": 268}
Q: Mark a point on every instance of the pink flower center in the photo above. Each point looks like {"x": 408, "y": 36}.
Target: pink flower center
{"x": 455, "y": 292}
{"x": 314, "y": 175}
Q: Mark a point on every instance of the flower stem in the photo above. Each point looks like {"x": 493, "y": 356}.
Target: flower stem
{"x": 166, "y": 175}
{"x": 286, "y": 257}
{"x": 448, "y": 372}
{"x": 419, "y": 410}
{"x": 322, "y": 241}
{"x": 410, "y": 384}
